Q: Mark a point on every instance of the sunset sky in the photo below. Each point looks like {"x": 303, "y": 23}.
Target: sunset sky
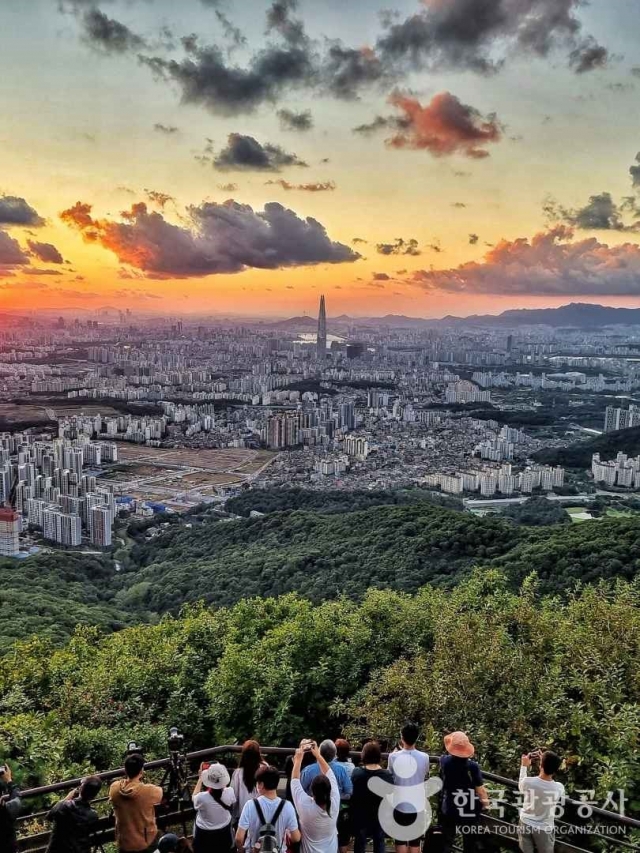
{"x": 244, "y": 156}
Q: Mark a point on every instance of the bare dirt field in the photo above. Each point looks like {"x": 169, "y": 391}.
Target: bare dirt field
{"x": 216, "y": 460}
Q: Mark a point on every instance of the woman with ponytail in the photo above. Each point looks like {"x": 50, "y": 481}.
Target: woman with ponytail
{"x": 317, "y": 812}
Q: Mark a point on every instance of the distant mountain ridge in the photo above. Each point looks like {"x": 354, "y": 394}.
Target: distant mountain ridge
{"x": 581, "y": 315}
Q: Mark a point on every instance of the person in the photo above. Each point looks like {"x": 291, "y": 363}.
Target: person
{"x": 365, "y": 804}
{"x": 134, "y": 804}
{"x": 328, "y": 752}
{"x": 410, "y": 768}
{"x": 74, "y": 820}
{"x": 343, "y": 755}
{"x": 343, "y": 758}
{"x": 212, "y": 827}
{"x": 317, "y": 811}
{"x": 267, "y": 807}
{"x": 541, "y": 796}
{"x": 243, "y": 779}
{"x": 463, "y": 795}
{"x": 169, "y": 843}
{"x": 10, "y": 807}
{"x": 307, "y": 760}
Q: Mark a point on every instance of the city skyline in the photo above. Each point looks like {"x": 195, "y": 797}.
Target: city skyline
{"x": 442, "y": 157}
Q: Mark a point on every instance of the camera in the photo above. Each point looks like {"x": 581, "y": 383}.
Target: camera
{"x": 175, "y": 740}
{"x": 132, "y": 749}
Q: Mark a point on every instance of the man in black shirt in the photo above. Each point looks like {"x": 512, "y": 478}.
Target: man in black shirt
{"x": 10, "y": 806}
{"x": 74, "y": 820}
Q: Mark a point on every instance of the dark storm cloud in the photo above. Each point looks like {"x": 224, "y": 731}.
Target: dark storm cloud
{"x": 588, "y": 57}
{"x": 382, "y": 123}
{"x": 291, "y": 120}
{"x": 601, "y": 213}
{"x": 280, "y": 19}
{"x": 15, "y": 211}
{"x": 45, "y": 252}
{"x": 207, "y": 79}
{"x": 315, "y": 187}
{"x": 166, "y": 129}
{"x": 480, "y": 34}
{"x": 345, "y": 71}
{"x": 634, "y": 171}
{"x": 399, "y": 246}
{"x": 108, "y": 35}
{"x": 233, "y": 34}
{"x": 212, "y": 239}
{"x": 11, "y": 254}
{"x": 244, "y": 153}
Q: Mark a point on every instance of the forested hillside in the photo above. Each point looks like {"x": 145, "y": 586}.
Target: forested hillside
{"x": 579, "y": 455}
{"x": 516, "y": 670}
{"x": 319, "y": 554}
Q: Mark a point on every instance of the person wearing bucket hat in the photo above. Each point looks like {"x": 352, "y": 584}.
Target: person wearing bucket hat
{"x": 463, "y": 794}
{"x": 213, "y": 801}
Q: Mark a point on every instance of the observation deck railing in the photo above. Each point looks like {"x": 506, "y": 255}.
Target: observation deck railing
{"x": 603, "y": 830}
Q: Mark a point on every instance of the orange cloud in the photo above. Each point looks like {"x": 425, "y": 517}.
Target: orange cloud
{"x": 547, "y": 265}
{"x": 445, "y": 126}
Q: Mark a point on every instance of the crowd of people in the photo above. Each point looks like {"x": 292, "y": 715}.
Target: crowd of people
{"x": 328, "y": 805}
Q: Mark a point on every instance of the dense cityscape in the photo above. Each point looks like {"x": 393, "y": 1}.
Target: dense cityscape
{"x": 133, "y": 416}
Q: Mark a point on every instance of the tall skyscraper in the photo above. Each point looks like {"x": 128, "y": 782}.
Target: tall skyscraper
{"x": 322, "y": 332}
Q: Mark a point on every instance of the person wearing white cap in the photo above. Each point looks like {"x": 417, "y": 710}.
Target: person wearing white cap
{"x": 212, "y": 827}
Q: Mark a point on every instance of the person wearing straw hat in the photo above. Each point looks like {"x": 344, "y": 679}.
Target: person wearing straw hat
{"x": 213, "y": 801}
{"x": 463, "y": 793}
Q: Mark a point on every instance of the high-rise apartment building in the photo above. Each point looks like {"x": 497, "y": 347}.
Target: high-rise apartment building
{"x": 9, "y": 532}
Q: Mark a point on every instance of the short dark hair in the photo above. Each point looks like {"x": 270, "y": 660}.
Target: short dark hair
{"x": 133, "y": 765}
{"x": 550, "y": 763}
{"x": 410, "y": 733}
{"x": 269, "y": 777}
{"x": 371, "y": 753}
{"x": 90, "y": 788}
{"x": 343, "y": 748}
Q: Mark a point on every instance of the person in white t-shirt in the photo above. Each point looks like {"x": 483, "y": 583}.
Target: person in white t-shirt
{"x": 267, "y": 808}
{"x": 317, "y": 812}
{"x": 213, "y": 805}
{"x": 410, "y": 768}
{"x": 541, "y": 796}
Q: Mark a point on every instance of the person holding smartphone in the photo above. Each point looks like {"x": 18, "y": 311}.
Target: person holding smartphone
{"x": 74, "y": 820}
{"x": 318, "y": 810}
{"x": 10, "y": 807}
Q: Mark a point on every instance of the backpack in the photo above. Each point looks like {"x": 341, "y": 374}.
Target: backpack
{"x": 267, "y": 833}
